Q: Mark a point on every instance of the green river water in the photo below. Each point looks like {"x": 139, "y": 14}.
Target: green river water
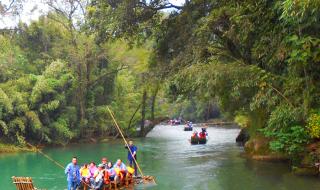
{"x": 166, "y": 154}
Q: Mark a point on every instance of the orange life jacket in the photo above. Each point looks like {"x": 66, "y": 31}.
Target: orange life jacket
{"x": 106, "y": 177}
{"x": 202, "y": 135}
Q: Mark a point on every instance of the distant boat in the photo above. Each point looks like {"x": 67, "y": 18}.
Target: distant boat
{"x": 197, "y": 140}
{"x": 175, "y": 122}
{"x": 187, "y": 128}
{"x": 200, "y": 138}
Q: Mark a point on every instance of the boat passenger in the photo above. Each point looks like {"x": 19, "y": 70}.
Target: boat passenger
{"x": 92, "y": 169}
{"x": 104, "y": 162}
{"x": 203, "y": 133}
{"x": 73, "y": 174}
{"x": 85, "y": 173}
{"x": 98, "y": 177}
{"x": 112, "y": 173}
{"x": 194, "y": 134}
{"x": 120, "y": 169}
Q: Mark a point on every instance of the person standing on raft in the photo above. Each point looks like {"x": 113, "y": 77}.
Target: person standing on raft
{"x": 132, "y": 156}
{"x": 73, "y": 174}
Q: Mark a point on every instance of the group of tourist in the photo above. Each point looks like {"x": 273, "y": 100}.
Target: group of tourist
{"x": 189, "y": 124}
{"x": 95, "y": 176}
{"x": 203, "y": 134}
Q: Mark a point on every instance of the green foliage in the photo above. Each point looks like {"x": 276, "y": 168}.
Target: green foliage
{"x": 291, "y": 140}
{"x": 284, "y": 130}
{"x": 314, "y": 125}
{"x": 16, "y": 130}
{"x": 61, "y": 132}
{"x": 13, "y": 63}
{"x": 5, "y": 104}
{"x": 257, "y": 61}
{"x": 303, "y": 13}
{"x": 56, "y": 82}
{"x": 34, "y": 120}
{"x": 242, "y": 120}
{"x": 254, "y": 57}
{"x": 284, "y": 116}
{"x": 3, "y": 128}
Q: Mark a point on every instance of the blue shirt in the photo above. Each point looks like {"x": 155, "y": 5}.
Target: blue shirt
{"x": 112, "y": 172}
{"x": 133, "y": 149}
{"x": 73, "y": 172}
{"x": 121, "y": 167}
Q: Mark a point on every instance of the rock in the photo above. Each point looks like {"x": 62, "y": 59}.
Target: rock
{"x": 257, "y": 146}
{"x": 243, "y": 136}
{"x": 258, "y": 149}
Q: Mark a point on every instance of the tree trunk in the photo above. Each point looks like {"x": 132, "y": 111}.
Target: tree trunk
{"x": 153, "y": 102}
{"x": 143, "y": 111}
{"x": 131, "y": 119}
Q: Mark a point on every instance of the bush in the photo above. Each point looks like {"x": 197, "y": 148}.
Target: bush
{"x": 242, "y": 120}
{"x": 285, "y": 130}
{"x": 314, "y": 125}
{"x": 290, "y": 141}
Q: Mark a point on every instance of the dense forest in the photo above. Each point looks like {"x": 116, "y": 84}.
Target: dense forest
{"x": 256, "y": 62}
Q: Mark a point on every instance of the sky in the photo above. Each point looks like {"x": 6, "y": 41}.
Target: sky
{"x": 32, "y": 9}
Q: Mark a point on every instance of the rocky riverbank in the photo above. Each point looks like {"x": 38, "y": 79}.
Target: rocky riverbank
{"x": 257, "y": 148}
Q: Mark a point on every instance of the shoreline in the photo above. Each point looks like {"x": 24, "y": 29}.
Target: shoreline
{"x": 9, "y": 149}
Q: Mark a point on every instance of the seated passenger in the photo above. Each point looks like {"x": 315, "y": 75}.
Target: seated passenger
{"x": 85, "y": 173}
{"x": 203, "y": 133}
{"x": 111, "y": 172}
{"x": 120, "y": 169}
{"x": 104, "y": 162}
{"x": 92, "y": 169}
{"x": 194, "y": 134}
{"x": 98, "y": 177}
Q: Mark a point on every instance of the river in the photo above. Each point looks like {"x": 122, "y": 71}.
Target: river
{"x": 166, "y": 154}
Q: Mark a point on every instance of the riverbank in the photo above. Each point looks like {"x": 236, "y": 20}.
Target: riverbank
{"x": 304, "y": 164}
{"x": 8, "y": 148}
{"x": 149, "y": 125}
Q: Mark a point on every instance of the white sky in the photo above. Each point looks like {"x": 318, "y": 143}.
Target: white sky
{"x": 32, "y": 9}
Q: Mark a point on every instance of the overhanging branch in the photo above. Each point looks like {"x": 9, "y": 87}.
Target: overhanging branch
{"x": 161, "y": 7}
{"x": 94, "y": 82}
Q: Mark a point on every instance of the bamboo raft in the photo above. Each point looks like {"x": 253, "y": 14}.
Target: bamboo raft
{"x": 26, "y": 183}
{"x": 188, "y": 129}
{"x": 129, "y": 181}
{"x": 23, "y": 183}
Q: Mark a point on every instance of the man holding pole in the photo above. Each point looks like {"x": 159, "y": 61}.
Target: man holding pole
{"x": 132, "y": 156}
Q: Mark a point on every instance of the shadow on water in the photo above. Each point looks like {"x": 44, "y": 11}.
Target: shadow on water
{"x": 167, "y": 154}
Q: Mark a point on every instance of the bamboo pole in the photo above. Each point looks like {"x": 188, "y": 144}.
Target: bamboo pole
{"x": 125, "y": 141}
{"x": 46, "y": 156}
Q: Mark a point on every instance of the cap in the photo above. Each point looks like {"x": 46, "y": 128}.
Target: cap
{"x": 101, "y": 166}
